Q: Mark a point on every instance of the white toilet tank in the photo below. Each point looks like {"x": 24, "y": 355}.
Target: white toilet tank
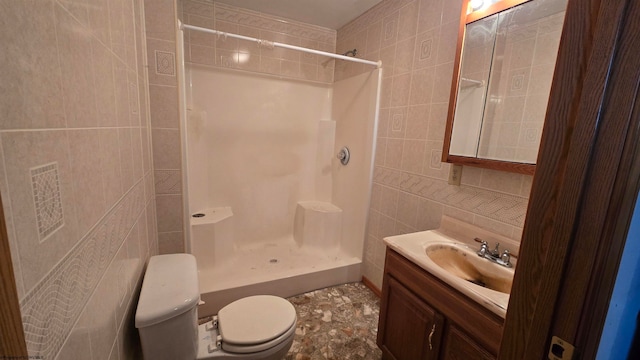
{"x": 166, "y": 316}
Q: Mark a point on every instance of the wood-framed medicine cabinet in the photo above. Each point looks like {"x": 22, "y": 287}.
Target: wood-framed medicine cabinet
{"x": 504, "y": 64}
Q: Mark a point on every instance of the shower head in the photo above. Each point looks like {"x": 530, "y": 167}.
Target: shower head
{"x": 353, "y": 53}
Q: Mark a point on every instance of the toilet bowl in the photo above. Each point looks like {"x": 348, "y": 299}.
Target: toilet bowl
{"x": 255, "y": 327}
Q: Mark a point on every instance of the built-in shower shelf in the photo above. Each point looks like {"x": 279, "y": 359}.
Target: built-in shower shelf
{"x": 211, "y": 216}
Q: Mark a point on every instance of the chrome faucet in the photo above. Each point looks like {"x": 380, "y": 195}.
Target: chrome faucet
{"x": 494, "y": 255}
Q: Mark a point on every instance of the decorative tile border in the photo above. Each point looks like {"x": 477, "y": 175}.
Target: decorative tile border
{"x": 273, "y": 23}
{"x": 51, "y": 308}
{"x": 47, "y": 199}
{"x": 505, "y": 208}
{"x": 372, "y": 15}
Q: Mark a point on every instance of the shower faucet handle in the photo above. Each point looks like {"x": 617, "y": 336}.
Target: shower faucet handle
{"x": 344, "y": 155}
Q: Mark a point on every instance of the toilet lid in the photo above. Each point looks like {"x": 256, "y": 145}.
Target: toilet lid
{"x": 255, "y": 320}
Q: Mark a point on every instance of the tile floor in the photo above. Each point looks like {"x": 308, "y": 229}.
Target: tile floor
{"x": 339, "y": 322}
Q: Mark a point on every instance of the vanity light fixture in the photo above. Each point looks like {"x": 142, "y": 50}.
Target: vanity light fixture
{"x": 476, "y": 4}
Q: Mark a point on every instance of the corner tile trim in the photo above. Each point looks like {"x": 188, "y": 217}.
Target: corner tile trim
{"x": 52, "y": 307}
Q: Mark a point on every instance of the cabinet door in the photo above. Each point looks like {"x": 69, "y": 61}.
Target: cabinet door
{"x": 410, "y": 329}
{"x": 459, "y": 346}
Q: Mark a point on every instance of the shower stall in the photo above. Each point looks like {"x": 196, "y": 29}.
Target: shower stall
{"x": 271, "y": 207}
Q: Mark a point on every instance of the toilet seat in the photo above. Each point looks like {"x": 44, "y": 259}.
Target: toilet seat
{"x": 255, "y": 323}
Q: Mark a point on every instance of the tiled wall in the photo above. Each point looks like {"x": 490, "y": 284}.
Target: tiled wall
{"x": 218, "y": 51}
{"x": 160, "y": 22}
{"x": 75, "y": 174}
{"x": 416, "y": 41}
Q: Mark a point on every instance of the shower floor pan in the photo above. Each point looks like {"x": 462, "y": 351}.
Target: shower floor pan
{"x": 278, "y": 268}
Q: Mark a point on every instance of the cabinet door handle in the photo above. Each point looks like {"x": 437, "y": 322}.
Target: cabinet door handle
{"x": 433, "y": 329}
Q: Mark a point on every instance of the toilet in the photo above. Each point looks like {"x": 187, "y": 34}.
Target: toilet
{"x": 255, "y": 327}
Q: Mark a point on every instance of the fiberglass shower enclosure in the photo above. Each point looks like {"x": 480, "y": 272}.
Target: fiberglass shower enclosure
{"x": 270, "y": 207}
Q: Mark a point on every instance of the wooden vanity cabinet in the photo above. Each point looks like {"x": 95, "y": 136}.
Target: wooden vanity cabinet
{"x": 421, "y": 317}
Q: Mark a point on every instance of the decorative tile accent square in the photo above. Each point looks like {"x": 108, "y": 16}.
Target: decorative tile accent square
{"x": 436, "y": 162}
{"x": 165, "y": 63}
{"x": 225, "y": 61}
{"x": 517, "y": 82}
{"x": 47, "y": 199}
{"x": 531, "y": 135}
{"x": 396, "y": 122}
{"x": 389, "y": 30}
{"x": 425, "y": 49}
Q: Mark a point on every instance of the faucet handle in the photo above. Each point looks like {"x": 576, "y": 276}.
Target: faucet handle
{"x": 506, "y": 258}
{"x": 484, "y": 249}
{"x": 496, "y": 251}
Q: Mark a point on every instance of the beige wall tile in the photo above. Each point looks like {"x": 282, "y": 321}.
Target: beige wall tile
{"x": 102, "y": 59}
{"x": 169, "y": 214}
{"x": 422, "y": 86}
{"x": 152, "y": 228}
{"x": 27, "y": 33}
{"x": 408, "y": 209}
{"x": 146, "y": 149}
{"x": 136, "y": 149}
{"x": 408, "y": 20}
{"x": 88, "y": 186}
{"x": 110, "y": 164}
{"x": 170, "y": 243}
{"x": 99, "y": 23}
{"x": 164, "y": 107}
{"x": 166, "y": 149}
{"x": 401, "y": 89}
{"x": 417, "y": 122}
{"x": 389, "y": 202}
{"x": 121, "y": 83}
{"x": 126, "y": 158}
{"x": 393, "y": 155}
{"x": 447, "y": 43}
{"x": 404, "y": 56}
{"x": 159, "y": 16}
{"x": 430, "y": 14}
{"x": 429, "y": 214}
{"x": 388, "y": 58}
{"x": 117, "y": 28}
{"x": 74, "y": 47}
{"x": 501, "y": 181}
{"x": 101, "y": 320}
{"x": 374, "y": 36}
{"x": 413, "y": 155}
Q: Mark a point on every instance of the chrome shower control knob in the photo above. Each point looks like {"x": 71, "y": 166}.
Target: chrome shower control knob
{"x": 343, "y": 155}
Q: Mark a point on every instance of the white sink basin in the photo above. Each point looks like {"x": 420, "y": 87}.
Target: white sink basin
{"x": 457, "y": 264}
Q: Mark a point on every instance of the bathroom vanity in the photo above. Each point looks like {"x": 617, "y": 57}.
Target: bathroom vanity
{"x": 429, "y": 312}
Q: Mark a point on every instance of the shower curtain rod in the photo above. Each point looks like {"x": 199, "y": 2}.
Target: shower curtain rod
{"x": 272, "y": 44}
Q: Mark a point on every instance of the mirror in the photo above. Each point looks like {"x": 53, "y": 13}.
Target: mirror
{"x": 502, "y": 80}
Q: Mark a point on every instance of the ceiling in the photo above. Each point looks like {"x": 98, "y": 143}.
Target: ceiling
{"x": 332, "y": 14}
